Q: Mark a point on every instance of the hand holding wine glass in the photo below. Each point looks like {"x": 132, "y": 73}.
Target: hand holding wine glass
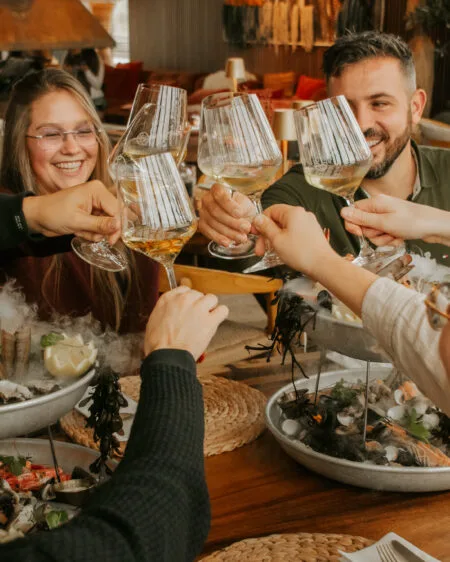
{"x": 157, "y": 214}
{"x": 334, "y": 153}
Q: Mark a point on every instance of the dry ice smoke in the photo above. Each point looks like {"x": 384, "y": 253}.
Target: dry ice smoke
{"x": 123, "y": 353}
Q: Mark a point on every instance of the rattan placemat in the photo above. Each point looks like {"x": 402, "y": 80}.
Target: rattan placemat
{"x": 234, "y": 414}
{"x": 296, "y": 547}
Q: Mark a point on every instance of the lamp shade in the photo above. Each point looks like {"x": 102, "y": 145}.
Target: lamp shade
{"x": 283, "y": 124}
{"x": 300, "y": 104}
{"x": 235, "y": 68}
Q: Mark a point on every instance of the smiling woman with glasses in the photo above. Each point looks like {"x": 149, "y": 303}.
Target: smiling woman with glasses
{"x": 54, "y": 140}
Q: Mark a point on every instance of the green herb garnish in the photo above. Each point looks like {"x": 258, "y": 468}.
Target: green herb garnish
{"x": 343, "y": 394}
{"x": 51, "y": 339}
{"x": 414, "y": 426}
{"x": 55, "y": 518}
{"x": 15, "y": 464}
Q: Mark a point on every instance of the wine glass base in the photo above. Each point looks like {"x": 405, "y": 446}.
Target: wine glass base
{"x": 379, "y": 259}
{"x": 96, "y": 254}
{"x": 233, "y": 252}
{"x": 269, "y": 260}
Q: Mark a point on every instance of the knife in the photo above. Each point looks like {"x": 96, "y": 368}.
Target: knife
{"x": 404, "y": 551}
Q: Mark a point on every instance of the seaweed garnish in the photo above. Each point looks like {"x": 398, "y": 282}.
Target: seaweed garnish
{"x": 104, "y": 418}
{"x": 293, "y": 315}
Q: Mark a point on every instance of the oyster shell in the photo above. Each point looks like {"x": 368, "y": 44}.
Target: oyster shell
{"x": 11, "y": 391}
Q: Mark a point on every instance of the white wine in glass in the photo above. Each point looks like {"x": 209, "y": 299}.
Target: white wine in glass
{"x": 157, "y": 215}
{"x": 334, "y": 153}
{"x": 243, "y": 151}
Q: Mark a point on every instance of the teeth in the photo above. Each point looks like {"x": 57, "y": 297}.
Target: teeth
{"x": 69, "y": 165}
{"x": 373, "y": 142}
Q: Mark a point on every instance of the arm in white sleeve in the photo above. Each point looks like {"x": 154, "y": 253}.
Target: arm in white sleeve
{"x": 396, "y": 317}
{"x": 96, "y": 80}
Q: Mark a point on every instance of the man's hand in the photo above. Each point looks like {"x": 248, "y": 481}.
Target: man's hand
{"x": 88, "y": 210}
{"x": 295, "y": 235}
{"x": 184, "y": 319}
{"x": 387, "y": 221}
{"x": 225, "y": 217}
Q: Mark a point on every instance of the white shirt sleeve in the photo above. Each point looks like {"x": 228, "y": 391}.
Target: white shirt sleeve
{"x": 396, "y": 317}
{"x": 96, "y": 80}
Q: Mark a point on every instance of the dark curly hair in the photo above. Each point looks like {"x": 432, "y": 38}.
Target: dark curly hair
{"x": 356, "y": 47}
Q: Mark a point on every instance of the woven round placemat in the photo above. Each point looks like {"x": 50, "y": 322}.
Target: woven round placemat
{"x": 296, "y": 547}
{"x": 234, "y": 414}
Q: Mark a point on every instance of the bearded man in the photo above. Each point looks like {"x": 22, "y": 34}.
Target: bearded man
{"x": 376, "y": 73}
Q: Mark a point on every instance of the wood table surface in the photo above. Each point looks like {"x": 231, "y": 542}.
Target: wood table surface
{"x": 258, "y": 489}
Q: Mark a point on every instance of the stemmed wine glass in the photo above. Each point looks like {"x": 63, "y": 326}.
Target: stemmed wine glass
{"x": 334, "y": 153}
{"x": 243, "y": 153}
{"x": 157, "y": 123}
{"x": 157, "y": 214}
{"x": 166, "y": 111}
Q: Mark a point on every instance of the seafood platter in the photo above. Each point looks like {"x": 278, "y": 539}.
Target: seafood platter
{"x": 36, "y": 496}
{"x": 332, "y": 326}
{"x": 407, "y": 445}
{"x": 44, "y": 371}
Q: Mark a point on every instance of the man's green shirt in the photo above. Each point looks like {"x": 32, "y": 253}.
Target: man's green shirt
{"x": 434, "y": 174}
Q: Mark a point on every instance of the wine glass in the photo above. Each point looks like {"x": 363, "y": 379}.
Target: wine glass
{"x": 157, "y": 123}
{"x": 157, "y": 214}
{"x": 244, "y": 154}
{"x": 334, "y": 154}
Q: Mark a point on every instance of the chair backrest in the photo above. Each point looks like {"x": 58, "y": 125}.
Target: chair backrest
{"x": 434, "y": 133}
{"x": 219, "y": 282}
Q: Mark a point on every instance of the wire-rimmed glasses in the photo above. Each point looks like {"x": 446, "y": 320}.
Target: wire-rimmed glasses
{"x": 243, "y": 153}
{"x": 157, "y": 214}
{"x": 52, "y": 138}
{"x": 334, "y": 153}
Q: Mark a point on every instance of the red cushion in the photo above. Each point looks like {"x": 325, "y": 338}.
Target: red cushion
{"x": 121, "y": 81}
{"x": 307, "y": 87}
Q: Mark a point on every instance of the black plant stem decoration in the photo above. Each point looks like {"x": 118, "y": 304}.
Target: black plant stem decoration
{"x": 104, "y": 418}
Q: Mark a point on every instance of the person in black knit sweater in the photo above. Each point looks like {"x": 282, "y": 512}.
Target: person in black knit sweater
{"x": 156, "y": 505}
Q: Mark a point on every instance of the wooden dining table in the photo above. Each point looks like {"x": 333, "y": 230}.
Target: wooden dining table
{"x": 257, "y": 490}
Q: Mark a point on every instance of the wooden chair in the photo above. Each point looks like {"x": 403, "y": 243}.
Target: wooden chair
{"x": 434, "y": 133}
{"x": 225, "y": 283}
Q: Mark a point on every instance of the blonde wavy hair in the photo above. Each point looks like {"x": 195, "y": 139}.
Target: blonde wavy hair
{"x": 17, "y": 176}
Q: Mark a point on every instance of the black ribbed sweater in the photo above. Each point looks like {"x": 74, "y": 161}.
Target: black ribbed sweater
{"x": 156, "y": 505}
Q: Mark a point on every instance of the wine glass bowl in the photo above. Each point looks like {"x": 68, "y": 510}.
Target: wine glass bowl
{"x": 243, "y": 152}
{"x": 157, "y": 214}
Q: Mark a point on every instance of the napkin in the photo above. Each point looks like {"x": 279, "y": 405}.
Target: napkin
{"x": 130, "y": 410}
{"x": 370, "y": 553}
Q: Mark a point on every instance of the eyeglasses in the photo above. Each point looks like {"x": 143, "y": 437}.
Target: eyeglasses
{"x": 438, "y": 305}
{"x": 52, "y": 139}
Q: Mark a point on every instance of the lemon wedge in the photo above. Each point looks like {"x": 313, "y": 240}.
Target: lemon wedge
{"x": 70, "y": 357}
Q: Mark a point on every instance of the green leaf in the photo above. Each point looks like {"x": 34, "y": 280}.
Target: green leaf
{"x": 55, "y": 518}
{"x": 51, "y": 339}
{"x": 343, "y": 394}
{"x": 15, "y": 464}
{"x": 415, "y": 427}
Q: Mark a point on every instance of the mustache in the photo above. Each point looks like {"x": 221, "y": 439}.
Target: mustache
{"x": 373, "y": 133}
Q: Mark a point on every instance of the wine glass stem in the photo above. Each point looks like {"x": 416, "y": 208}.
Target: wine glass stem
{"x": 171, "y": 275}
{"x": 365, "y": 250}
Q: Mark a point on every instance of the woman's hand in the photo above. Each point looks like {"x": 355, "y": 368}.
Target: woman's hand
{"x": 184, "y": 319}
{"x": 88, "y": 210}
{"x": 387, "y": 221}
{"x": 295, "y": 235}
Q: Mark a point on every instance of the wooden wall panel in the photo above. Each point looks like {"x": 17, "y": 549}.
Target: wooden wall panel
{"x": 187, "y": 35}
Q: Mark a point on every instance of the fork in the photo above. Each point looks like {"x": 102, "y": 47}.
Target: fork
{"x": 386, "y": 553}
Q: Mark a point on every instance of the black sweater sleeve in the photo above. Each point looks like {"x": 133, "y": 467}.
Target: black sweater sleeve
{"x": 156, "y": 505}
{"x": 13, "y": 226}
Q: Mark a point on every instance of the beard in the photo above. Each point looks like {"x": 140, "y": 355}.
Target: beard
{"x": 393, "y": 150}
